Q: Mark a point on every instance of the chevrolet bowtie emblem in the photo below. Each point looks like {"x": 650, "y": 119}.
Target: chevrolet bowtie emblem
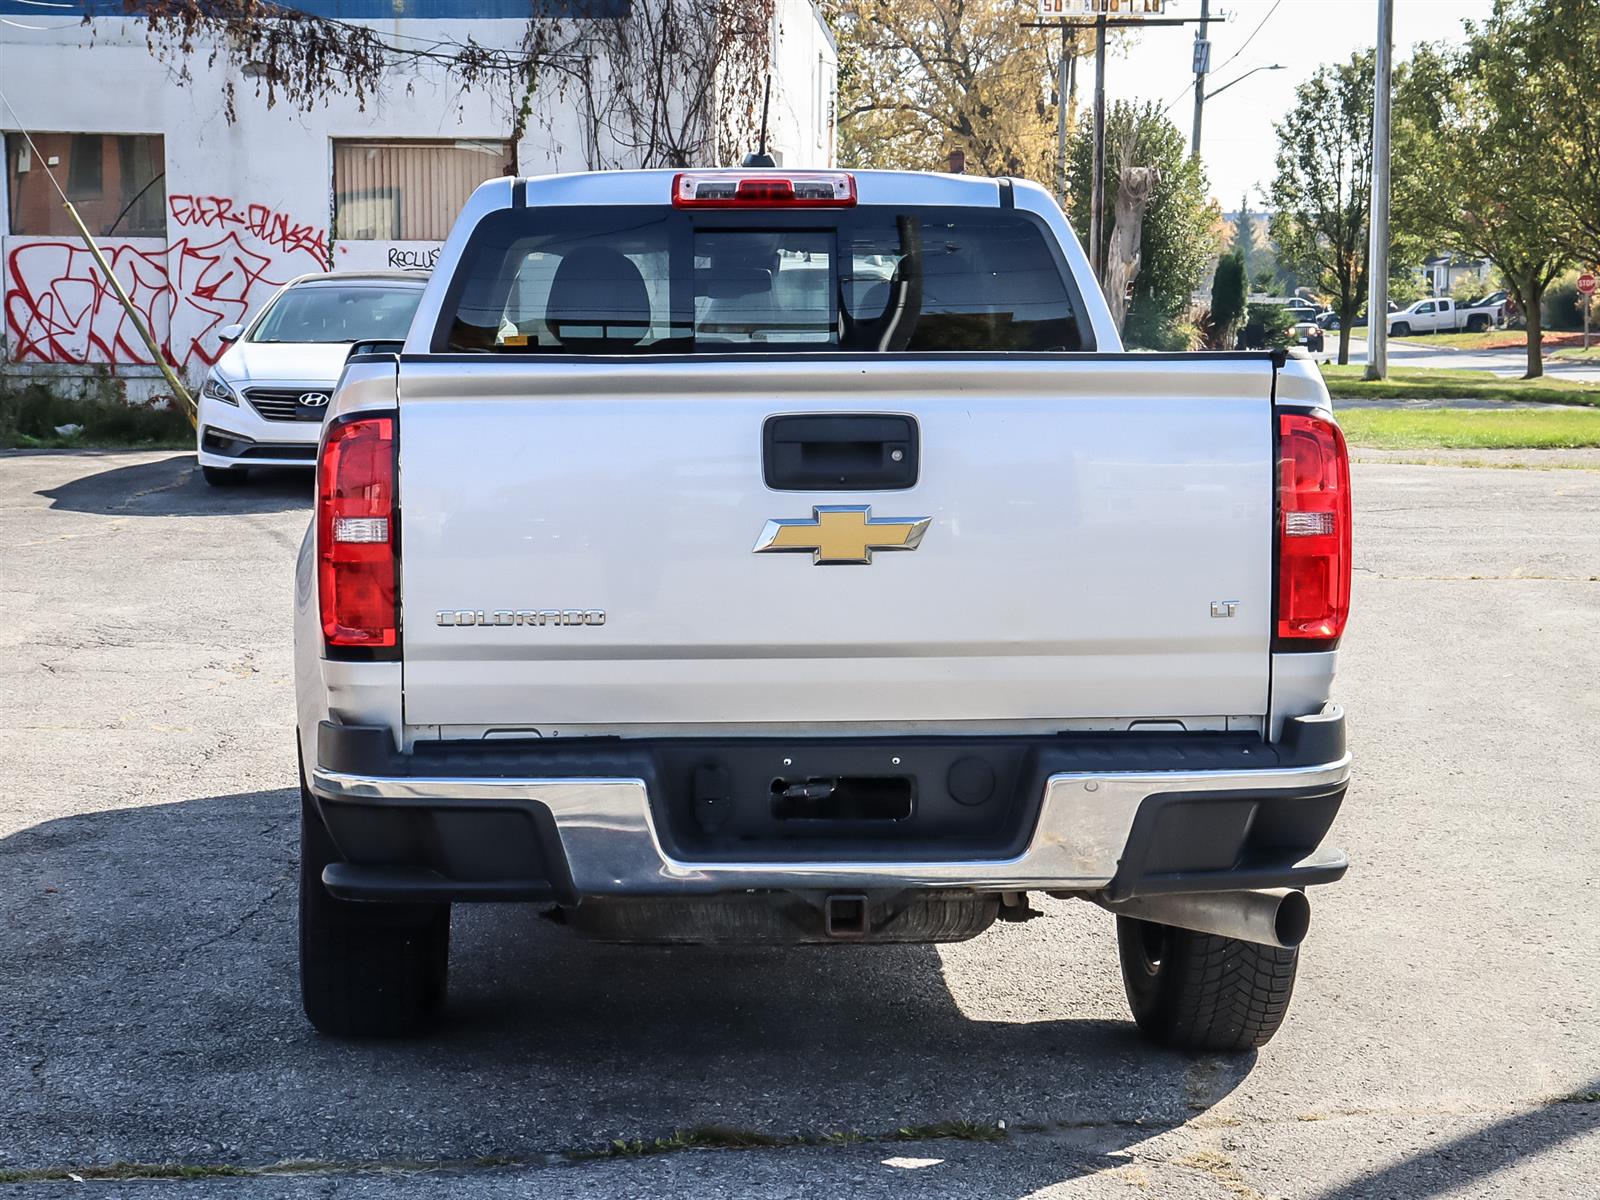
{"x": 845, "y": 533}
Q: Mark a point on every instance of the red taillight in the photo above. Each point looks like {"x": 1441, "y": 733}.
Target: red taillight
{"x": 1313, "y": 529}
{"x": 742, "y": 189}
{"x": 356, "y": 519}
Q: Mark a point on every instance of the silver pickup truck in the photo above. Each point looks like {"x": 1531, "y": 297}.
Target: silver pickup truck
{"x": 797, "y": 557}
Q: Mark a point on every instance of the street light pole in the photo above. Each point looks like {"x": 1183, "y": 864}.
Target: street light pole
{"x": 1202, "y": 61}
{"x": 1378, "y": 248}
{"x": 1242, "y": 78}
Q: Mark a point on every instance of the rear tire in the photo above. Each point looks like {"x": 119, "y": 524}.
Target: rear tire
{"x": 366, "y": 969}
{"x": 1400, "y": 329}
{"x": 1477, "y": 324}
{"x": 1196, "y": 991}
{"x": 223, "y": 476}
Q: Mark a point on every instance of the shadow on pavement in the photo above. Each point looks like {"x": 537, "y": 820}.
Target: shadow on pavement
{"x": 1465, "y": 1161}
{"x": 173, "y": 487}
{"x": 153, "y": 1015}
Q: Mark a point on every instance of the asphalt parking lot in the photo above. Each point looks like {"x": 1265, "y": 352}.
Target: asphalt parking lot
{"x": 1442, "y": 1042}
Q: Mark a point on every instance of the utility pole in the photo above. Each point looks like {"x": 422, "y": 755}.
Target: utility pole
{"x": 1378, "y": 249}
{"x": 1097, "y": 200}
{"x": 1064, "y": 9}
{"x": 1062, "y": 84}
{"x": 1202, "y": 64}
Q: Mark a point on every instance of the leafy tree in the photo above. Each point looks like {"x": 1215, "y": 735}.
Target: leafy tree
{"x": 919, "y": 78}
{"x": 1560, "y": 40}
{"x": 1229, "y": 295}
{"x": 1179, "y": 228}
{"x": 1321, "y": 194}
{"x": 1483, "y": 164}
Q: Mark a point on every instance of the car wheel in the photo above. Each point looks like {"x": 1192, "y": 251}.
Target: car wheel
{"x": 223, "y": 476}
{"x": 1400, "y": 329}
{"x": 366, "y": 969}
{"x": 1196, "y": 991}
{"x": 1477, "y": 324}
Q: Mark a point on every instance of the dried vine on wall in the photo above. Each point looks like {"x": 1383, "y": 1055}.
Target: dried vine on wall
{"x": 665, "y": 83}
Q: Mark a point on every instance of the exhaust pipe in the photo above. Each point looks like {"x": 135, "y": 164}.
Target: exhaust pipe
{"x": 1272, "y": 916}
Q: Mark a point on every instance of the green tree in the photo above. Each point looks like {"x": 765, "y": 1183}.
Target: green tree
{"x": 1482, "y": 165}
{"x": 1560, "y": 39}
{"x": 1244, "y": 233}
{"x": 1321, "y": 193}
{"x": 1229, "y": 295}
{"x": 1178, "y": 233}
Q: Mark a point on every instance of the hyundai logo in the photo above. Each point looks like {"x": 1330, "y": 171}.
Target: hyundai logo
{"x": 313, "y": 399}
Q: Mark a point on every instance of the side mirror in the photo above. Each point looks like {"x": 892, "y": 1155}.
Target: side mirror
{"x": 230, "y": 333}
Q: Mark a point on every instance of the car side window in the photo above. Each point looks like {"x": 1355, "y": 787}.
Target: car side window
{"x": 1425, "y": 308}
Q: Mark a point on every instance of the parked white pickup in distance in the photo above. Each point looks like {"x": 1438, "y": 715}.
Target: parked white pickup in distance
{"x": 1441, "y": 314}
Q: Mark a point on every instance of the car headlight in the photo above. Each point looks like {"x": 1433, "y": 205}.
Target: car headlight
{"x": 215, "y": 389}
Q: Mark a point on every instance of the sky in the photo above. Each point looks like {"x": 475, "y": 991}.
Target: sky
{"x": 1237, "y": 140}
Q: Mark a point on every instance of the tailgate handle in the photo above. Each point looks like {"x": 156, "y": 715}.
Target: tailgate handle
{"x": 841, "y": 452}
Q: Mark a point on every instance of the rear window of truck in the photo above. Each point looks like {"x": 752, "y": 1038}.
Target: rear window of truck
{"x": 654, "y": 280}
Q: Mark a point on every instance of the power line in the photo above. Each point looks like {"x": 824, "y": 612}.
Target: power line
{"x": 1230, "y": 58}
{"x": 1253, "y": 33}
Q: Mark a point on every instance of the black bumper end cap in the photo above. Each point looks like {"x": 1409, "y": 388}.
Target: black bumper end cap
{"x": 418, "y": 885}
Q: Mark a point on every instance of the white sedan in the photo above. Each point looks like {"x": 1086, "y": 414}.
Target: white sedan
{"x": 262, "y": 404}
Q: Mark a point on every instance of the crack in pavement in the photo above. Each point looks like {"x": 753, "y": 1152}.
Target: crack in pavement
{"x": 1214, "y": 1162}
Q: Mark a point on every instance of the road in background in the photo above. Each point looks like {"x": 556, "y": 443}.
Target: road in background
{"x": 1419, "y": 352}
{"x": 1441, "y": 1040}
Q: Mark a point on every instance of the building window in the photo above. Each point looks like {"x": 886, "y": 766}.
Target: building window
{"x": 407, "y": 191}
{"x": 117, "y": 182}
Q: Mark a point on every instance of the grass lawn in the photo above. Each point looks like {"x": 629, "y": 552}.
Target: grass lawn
{"x": 1471, "y": 428}
{"x": 1579, "y": 354}
{"x": 1437, "y": 383}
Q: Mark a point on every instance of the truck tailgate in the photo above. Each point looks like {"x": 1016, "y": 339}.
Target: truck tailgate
{"x": 1084, "y": 516}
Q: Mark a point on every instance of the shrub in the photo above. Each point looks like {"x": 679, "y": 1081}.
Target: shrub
{"x": 1266, "y": 325}
{"x": 1562, "y": 308}
{"x": 31, "y": 413}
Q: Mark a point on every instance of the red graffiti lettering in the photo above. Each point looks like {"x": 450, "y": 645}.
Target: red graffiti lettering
{"x": 59, "y": 309}
{"x": 275, "y": 228}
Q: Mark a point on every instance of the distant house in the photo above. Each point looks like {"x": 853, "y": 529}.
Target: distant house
{"x": 1446, "y": 269}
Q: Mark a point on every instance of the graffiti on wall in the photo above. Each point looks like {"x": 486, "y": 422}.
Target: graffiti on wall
{"x": 410, "y": 259}
{"x": 59, "y": 308}
{"x": 271, "y": 228}
{"x": 227, "y": 259}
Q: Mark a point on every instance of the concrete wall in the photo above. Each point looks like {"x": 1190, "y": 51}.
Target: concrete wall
{"x": 249, "y": 202}
{"x": 806, "y": 63}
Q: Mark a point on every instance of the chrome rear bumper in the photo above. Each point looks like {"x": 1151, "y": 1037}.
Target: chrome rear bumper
{"x": 608, "y": 838}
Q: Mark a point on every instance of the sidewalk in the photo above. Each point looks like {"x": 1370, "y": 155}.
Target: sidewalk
{"x": 1586, "y": 458}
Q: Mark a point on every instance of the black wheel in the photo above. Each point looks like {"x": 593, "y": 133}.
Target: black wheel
{"x": 1477, "y": 324}
{"x": 1400, "y": 329}
{"x": 366, "y": 969}
{"x": 1195, "y": 991}
{"x": 223, "y": 476}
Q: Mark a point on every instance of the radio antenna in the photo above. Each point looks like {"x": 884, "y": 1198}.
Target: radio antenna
{"x": 761, "y": 158}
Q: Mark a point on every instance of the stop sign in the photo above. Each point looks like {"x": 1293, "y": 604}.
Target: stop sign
{"x": 1586, "y": 283}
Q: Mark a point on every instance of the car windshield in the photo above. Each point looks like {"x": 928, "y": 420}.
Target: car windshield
{"x": 334, "y": 313}
{"x": 655, "y": 280}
